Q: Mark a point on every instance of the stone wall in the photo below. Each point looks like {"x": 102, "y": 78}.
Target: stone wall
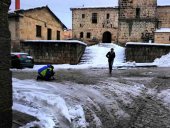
{"x": 145, "y": 52}
{"x": 163, "y": 13}
{"x": 128, "y": 9}
{"x": 162, "y": 37}
{"x": 104, "y": 24}
{"x": 54, "y": 52}
{"x": 5, "y": 75}
{"x": 136, "y": 17}
{"x": 136, "y": 31}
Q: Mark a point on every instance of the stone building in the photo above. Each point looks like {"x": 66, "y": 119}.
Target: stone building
{"x": 67, "y": 34}
{"x": 34, "y": 24}
{"x": 131, "y": 21}
{"x": 93, "y": 25}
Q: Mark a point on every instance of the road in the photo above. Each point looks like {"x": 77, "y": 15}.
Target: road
{"x": 129, "y": 98}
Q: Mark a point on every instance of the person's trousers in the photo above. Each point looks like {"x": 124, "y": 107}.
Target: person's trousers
{"x": 110, "y": 66}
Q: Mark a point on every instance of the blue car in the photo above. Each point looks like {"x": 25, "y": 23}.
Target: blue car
{"x": 21, "y": 60}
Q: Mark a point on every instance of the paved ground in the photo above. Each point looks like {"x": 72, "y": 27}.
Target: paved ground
{"x": 145, "y": 111}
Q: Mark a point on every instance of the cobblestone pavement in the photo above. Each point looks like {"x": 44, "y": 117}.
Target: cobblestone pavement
{"x": 145, "y": 111}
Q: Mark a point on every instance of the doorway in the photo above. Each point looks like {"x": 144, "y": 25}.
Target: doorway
{"x": 107, "y": 37}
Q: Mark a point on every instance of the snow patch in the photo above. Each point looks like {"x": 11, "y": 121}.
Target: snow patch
{"x": 164, "y": 61}
{"x": 48, "y": 107}
{"x": 165, "y": 97}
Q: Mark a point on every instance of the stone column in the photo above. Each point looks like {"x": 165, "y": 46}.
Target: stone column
{"x": 5, "y": 74}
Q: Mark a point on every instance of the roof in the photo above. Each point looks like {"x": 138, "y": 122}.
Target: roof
{"x": 92, "y": 7}
{"x": 55, "y": 41}
{"x": 148, "y": 44}
{"x": 13, "y": 14}
{"x": 18, "y": 12}
{"x": 163, "y": 30}
{"x": 163, "y": 6}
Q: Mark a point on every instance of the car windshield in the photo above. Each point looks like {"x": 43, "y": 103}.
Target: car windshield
{"x": 23, "y": 56}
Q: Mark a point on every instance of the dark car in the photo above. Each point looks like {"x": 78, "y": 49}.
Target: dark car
{"x": 21, "y": 60}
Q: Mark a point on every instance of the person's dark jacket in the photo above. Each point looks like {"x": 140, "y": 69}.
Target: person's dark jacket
{"x": 110, "y": 56}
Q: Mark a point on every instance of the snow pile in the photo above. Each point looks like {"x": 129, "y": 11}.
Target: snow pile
{"x": 45, "y": 120}
{"x": 97, "y": 55}
{"x": 164, "y": 61}
{"x": 77, "y": 113}
{"x": 32, "y": 98}
{"x": 165, "y": 97}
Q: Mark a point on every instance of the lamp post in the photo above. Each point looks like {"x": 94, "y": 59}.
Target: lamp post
{"x": 5, "y": 74}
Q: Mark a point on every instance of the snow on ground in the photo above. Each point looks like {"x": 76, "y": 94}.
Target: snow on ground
{"x": 49, "y": 107}
{"x": 97, "y": 55}
{"x": 34, "y": 97}
{"x": 165, "y": 97}
{"x": 47, "y": 101}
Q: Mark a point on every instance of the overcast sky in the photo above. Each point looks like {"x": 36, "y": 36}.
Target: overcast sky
{"x": 61, "y": 8}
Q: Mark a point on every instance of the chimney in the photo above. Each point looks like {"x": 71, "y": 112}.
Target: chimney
{"x": 17, "y": 4}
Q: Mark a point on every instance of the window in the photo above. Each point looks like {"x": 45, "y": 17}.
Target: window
{"x": 81, "y": 34}
{"x": 83, "y": 16}
{"x": 94, "y": 17}
{"x": 108, "y": 16}
{"x": 49, "y": 33}
{"x": 38, "y": 31}
{"x": 88, "y": 35}
{"x": 137, "y": 12}
{"x": 58, "y": 35}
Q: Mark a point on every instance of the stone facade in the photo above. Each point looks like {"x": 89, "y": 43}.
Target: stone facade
{"x": 93, "y": 25}
{"x": 5, "y": 76}
{"x": 34, "y": 24}
{"x": 162, "y": 36}
{"x": 163, "y": 13}
{"x": 133, "y": 20}
{"x": 54, "y": 52}
{"x": 67, "y": 34}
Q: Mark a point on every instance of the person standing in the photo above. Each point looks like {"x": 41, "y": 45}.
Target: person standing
{"x": 110, "y": 55}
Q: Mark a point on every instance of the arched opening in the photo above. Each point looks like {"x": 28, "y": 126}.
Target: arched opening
{"x": 107, "y": 37}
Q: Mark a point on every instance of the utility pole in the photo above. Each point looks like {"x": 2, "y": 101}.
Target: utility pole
{"x": 5, "y": 74}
